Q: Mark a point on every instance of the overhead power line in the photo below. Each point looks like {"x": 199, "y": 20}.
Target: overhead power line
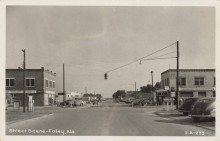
{"x": 163, "y": 54}
{"x": 159, "y": 58}
{"x": 140, "y": 58}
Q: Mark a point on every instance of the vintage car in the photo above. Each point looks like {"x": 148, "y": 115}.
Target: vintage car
{"x": 95, "y": 102}
{"x": 139, "y": 102}
{"x": 203, "y": 108}
{"x": 187, "y": 105}
{"x": 79, "y": 103}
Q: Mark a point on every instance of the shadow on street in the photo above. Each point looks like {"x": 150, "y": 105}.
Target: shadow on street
{"x": 186, "y": 121}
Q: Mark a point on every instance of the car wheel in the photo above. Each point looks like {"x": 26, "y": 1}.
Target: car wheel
{"x": 196, "y": 119}
{"x": 185, "y": 114}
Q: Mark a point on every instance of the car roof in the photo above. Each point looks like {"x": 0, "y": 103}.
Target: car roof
{"x": 210, "y": 98}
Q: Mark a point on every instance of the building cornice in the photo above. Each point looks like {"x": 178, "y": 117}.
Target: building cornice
{"x": 189, "y": 70}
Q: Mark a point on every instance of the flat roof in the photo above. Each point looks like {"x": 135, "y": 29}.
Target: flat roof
{"x": 42, "y": 69}
{"x": 187, "y": 70}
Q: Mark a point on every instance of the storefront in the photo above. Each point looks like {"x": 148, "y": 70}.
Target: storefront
{"x": 160, "y": 95}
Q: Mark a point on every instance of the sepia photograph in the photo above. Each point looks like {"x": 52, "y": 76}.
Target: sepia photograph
{"x": 110, "y": 71}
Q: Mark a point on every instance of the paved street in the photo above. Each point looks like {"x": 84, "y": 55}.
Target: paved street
{"x": 109, "y": 119}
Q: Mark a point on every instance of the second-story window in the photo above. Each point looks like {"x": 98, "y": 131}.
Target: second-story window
{"x": 214, "y": 81}
{"x": 30, "y": 82}
{"x": 47, "y": 83}
{"x": 199, "y": 81}
{"x": 53, "y": 84}
{"x": 167, "y": 82}
{"x": 50, "y": 83}
{"x": 162, "y": 83}
{"x": 10, "y": 82}
{"x": 182, "y": 81}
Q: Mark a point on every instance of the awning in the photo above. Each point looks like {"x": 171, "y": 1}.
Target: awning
{"x": 161, "y": 92}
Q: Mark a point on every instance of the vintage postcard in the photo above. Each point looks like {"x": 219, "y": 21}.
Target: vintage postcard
{"x": 109, "y": 71}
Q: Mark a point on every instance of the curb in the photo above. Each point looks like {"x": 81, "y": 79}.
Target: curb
{"x": 76, "y": 107}
{"x": 208, "y": 128}
{"x": 145, "y": 107}
{"x": 157, "y": 113}
{"x": 27, "y": 120}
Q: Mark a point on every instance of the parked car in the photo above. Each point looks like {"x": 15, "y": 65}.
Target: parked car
{"x": 129, "y": 100}
{"x": 95, "y": 102}
{"x": 139, "y": 102}
{"x": 187, "y": 106}
{"x": 203, "y": 108}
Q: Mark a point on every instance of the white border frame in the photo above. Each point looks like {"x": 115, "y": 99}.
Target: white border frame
{"x": 4, "y": 3}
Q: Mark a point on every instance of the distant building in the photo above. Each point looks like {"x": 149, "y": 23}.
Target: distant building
{"x": 68, "y": 96}
{"x": 39, "y": 83}
{"x": 192, "y": 82}
{"x": 139, "y": 95}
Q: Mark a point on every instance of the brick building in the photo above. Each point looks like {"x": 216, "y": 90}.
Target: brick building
{"x": 192, "y": 82}
{"x": 39, "y": 83}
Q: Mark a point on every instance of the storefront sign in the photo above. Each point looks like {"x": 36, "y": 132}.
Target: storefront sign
{"x": 172, "y": 94}
{"x": 196, "y": 89}
{"x": 50, "y": 92}
{"x": 20, "y": 91}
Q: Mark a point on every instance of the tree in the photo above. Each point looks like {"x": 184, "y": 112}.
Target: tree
{"x": 146, "y": 89}
{"x": 157, "y": 86}
{"x": 119, "y": 93}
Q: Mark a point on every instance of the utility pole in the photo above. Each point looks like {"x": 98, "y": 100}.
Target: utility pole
{"x": 152, "y": 80}
{"x": 64, "y": 92}
{"x": 152, "y": 85}
{"x": 135, "y": 91}
{"x": 177, "y": 75}
{"x": 24, "y": 71}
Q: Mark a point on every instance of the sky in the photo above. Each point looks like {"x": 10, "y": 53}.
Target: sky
{"x": 93, "y": 40}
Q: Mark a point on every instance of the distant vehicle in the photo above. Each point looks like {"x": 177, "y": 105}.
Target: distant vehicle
{"x": 203, "y": 108}
{"x": 86, "y": 99}
{"x": 187, "y": 105}
{"x": 129, "y": 99}
{"x": 139, "y": 102}
{"x": 79, "y": 103}
{"x": 95, "y": 102}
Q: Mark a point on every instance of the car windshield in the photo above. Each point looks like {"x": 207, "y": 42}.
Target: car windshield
{"x": 205, "y": 101}
{"x": 189, "y": 100}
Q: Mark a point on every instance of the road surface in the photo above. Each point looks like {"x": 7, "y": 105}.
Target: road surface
{"x": 109, "y": 119}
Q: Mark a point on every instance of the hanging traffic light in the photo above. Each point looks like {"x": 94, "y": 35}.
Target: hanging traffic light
{"x": 106, "y": 76}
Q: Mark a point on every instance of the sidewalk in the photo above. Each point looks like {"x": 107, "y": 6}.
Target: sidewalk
{"x": 176, "y": 115}
{"x": 13, "y": 116}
